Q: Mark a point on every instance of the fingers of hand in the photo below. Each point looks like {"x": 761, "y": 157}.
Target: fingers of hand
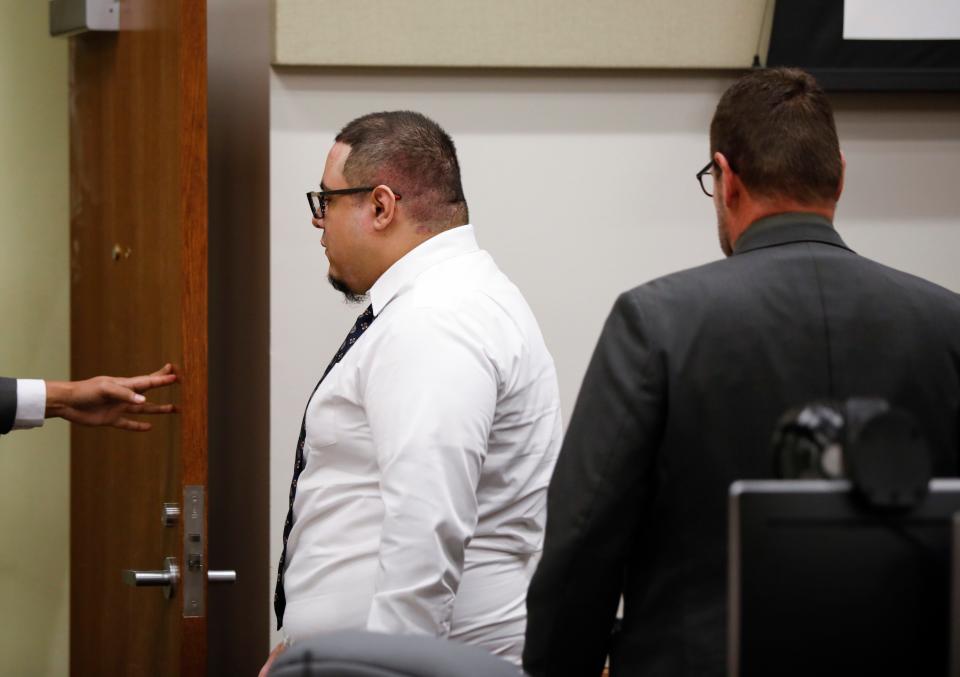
{"x": 277, "y": 650}
{"x": 164, "y": 370}
{"x": 144, "y": 383}
{"x": 117, "y": 390}
{"x": 151, "y": 408}
{"x": 130, "y": 424}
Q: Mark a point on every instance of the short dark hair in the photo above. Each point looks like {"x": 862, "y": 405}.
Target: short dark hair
{"x": 776, "y": 129}
{"x": 414, "y": 156}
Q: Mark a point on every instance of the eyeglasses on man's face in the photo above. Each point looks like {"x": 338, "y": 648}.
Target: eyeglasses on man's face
{"x": 705, "y": 178}
{"x": 318, "y": 199}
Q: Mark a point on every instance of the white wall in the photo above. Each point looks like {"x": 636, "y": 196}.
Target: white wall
{"x": 581, "y": 186}
{"x": 34, "y": 305}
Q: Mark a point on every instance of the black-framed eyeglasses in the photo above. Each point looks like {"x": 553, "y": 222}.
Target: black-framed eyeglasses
{"x": 705, "y": 178}
{"x": 318, "y": 199}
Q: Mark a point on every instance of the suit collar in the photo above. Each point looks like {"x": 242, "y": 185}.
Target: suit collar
{"x": 787, "y": 228}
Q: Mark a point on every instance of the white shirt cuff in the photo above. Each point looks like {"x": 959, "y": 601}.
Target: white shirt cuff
{"x": 31, "y": 403}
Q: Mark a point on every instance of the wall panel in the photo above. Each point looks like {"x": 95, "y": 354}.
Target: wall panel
{"x": 519, "y": 33}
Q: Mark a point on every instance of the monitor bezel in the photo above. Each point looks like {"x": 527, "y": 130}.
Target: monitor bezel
{"x": 741, "y": 488}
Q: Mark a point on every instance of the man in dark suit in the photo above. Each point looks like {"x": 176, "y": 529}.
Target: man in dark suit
{"x": 690, "y": 375}
{"x": 101, "y": 401}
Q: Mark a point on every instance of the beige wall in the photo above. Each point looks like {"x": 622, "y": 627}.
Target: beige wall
{"x": 521, "y": 33}
{"x": 34, "y": 307}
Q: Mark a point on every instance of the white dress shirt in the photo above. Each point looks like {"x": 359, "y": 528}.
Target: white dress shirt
{"x": 31, "y": 403}
{"x": 428, "y": 452}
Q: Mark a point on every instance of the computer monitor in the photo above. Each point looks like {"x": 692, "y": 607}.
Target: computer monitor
{"x": 820, "y": 584}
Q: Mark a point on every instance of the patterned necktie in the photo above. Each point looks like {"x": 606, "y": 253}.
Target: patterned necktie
{"x": 279, "y": 596}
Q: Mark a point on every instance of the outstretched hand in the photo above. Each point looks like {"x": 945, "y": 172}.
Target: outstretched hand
{"x": 108, "y": 400}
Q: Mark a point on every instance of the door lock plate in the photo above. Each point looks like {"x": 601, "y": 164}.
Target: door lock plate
{"x": 193, "y": 574}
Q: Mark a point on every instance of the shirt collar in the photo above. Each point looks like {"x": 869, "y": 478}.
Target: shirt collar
{"x": 439, "y": 248}
{"x": 786, "y": 228}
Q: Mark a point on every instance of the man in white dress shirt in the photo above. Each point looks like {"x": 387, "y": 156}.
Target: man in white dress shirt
{"x": 419, "y": 504}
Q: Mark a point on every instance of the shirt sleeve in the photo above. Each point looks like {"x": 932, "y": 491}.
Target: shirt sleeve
{"x": 8, "y": 403}
{"x": 430, "y": 396}
{"x": 31, "y": 403}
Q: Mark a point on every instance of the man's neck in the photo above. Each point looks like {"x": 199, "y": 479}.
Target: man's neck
{"x": 755, "y": 210}
{"x": 404, "y": 241}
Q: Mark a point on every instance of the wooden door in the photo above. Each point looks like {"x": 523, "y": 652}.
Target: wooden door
{"x": 138, "y": 191}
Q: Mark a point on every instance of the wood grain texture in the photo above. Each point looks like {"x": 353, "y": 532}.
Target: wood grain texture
{"x": 193, "y": 308}
{"x": 137, "y": 173}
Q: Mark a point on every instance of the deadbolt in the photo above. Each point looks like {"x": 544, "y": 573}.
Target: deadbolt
{"x": 171, "y": 515}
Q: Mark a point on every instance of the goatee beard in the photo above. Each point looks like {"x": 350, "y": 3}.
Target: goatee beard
{"x": 348, "y": 294}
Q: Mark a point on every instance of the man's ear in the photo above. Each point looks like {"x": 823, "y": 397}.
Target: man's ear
{"x": 731, "y": 184}
{"x": 383, "y": 201}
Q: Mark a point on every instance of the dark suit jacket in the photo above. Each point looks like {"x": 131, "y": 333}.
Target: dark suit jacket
{"x": 8, "y": 403}
{"x": 682, "y": 394}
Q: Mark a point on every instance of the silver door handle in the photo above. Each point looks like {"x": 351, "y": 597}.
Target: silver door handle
{"x": 224, "y": 576}
{"x": 170, "y": 577}
{"x": 148, "y": 579}
{"x": 166, "y": 579}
